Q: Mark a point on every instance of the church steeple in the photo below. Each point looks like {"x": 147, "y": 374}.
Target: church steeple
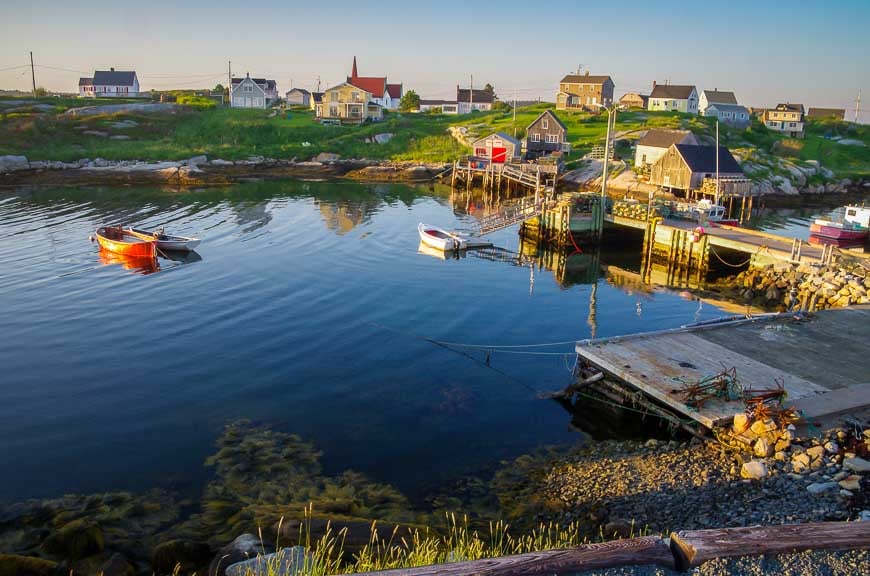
{"x": 353, "y": 73}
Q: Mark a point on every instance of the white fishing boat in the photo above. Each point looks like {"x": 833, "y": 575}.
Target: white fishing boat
{"x": 448, "y": 241}
{"x": 165, "y": 241}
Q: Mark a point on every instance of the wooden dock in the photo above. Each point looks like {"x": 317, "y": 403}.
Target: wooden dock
{"x": 821, "y": 362}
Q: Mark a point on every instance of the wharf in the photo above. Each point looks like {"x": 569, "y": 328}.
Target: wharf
{"x": 821, "y": 362}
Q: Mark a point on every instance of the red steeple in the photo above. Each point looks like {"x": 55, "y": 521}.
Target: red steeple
{"x": 353, "y": 73}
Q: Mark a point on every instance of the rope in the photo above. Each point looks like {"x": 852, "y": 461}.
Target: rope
{"x": 741, "y": 265}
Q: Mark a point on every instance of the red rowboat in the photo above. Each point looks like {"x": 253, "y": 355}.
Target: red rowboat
{"x": 116, "y": 239}
{"x": 838, "y": 230}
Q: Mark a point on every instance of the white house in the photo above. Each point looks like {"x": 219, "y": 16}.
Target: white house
{"x": 715, "y": 96}
{"x": 671, "y": 97}
{"x": 298, "y": 97}
{"x": 473, "y": 100}
{"x": 445, "y": 106}
{"x": 250, "y": 92}
{"x": 731, "y": 114}
{"x": 110, "y": 84}
{"x": 653, "y": 145}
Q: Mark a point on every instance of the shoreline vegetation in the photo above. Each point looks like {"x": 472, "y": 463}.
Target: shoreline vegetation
{"x": 269, "y": 491}
{"x": 44, "y": 136}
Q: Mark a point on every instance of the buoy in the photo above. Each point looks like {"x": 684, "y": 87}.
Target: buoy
{"x": 91, "y": 237}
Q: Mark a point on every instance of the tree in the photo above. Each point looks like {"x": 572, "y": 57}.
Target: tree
{"x": 219, "y": 89}
{"x": 40, "y": 91}
{"x": 410, "y": 101}
{"x": 489, "y": 88}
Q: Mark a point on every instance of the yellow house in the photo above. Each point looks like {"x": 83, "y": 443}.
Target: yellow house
{"x": 347, "y": 103}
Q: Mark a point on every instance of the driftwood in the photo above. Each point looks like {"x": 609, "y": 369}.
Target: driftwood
{"x": 646, "y": 550}
{"x": 693, "y": 547}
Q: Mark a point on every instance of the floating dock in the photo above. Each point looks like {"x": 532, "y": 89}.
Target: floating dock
{"x": 821, "y": 362}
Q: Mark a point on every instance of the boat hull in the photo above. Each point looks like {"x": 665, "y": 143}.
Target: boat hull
{"x": 165, "y": 241}
{"x": 447, "y": 241}
{"x": 835, "y": 232}
{"x": 117, "y": 241}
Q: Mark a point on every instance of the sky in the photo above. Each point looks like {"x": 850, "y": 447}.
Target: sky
{"x": 815, "y": 53}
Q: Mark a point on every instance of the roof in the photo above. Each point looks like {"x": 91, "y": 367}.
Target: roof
{"x": 436, "y": 102}
{"x": 729, "y": 107}
{"x": 720, "y": 97}
{"x": 671, "y": 91}
{"x": 634, "y": 95}
{"x": 261, "y": 82}
{"x": 552, "y": 115}
{"x": 787, "y": 107}
{"x": 663, "y": 138}
{"x": 827, "y": 113}
{"x": 703, "y": 159}
{"x": 584, "y": 79}
{"x": 86, "y": 81}
{"x": 317, "y": 96}
{"x": 374, "y": 84}
{"x": 501, "y": 135}
{"x": 114, "y": 78}
{"x": 480, "y": 96}
{"x": 341, "y": 85}
{"x": 300, "y": 90}
{"x": 394, "y": 90}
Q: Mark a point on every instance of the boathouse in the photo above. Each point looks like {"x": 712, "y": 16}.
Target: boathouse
{"x": 685, "y": 166}
{"x": 547, "y": 134}
{"x": 498, "y": 148}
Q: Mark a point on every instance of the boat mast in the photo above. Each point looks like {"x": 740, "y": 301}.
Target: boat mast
{"x": 716, "y": 197}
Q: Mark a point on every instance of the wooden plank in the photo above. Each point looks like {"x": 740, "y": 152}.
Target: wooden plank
{"x": 835, "y": 402}
{"x": 635, "y": 551}
{"x": 691, "y": 548}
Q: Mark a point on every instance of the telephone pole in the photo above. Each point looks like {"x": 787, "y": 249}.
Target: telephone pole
{"x": 471, "y": 95}
{"x": 32, "y": 73}
{"x": 857, "y": 106}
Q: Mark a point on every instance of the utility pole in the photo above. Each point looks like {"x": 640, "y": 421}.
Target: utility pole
{"x": 611, "y": 118}
{"x": 229, "y": 82}
{"x": 716, "y": 197}
{"x": 471, "y": 95}
{"x": 32, "y": 73}
{"x": 857, "y": 106}
{"x": 515, "y": 112}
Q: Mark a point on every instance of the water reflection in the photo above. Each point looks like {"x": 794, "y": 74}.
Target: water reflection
{"x": 142, "y": 266}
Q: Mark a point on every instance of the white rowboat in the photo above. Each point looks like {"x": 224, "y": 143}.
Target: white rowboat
{"x": 165, "y": 241}
{"x": 448, "y": 241}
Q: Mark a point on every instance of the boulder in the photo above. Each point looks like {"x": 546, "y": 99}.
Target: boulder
{"x": 245, "y": 547}
{"x": 285, "y": 562}
{"x": 220, "y": 162}
{"x": 800, "y": 463}
{"x": 852, "y": 483}
{"x": 382, "y": 138}
{"x": 831, "y": 447}
{"x": 75, "y": 540}
{"x": 754, "y": 470}
{"x": 821, "y": 487}
{"x": 740, "y": 424}
{"x": 117, "y": 565}
{"x": 326, "y": 157}
{"x": 618, "y": 528}
{"x": 98, "y": 133}
{"x": 13, "y": 565}
{"x": 13, "y": 163}
{"x": 119, "y": 137}
{"x": 857, "y": 465}
{"x": 762, "y": 448}
{"x": 189, "y": 556}
{"x": 197, "y": 160}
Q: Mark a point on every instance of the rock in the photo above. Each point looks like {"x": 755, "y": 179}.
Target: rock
{"x": 75, "y": 540}
{"x": 754, "y": 470}
{"x": 119, "y": 137}
{"x": 840, "y": 476}
{"x": 244, "y": 547}
{"x": 852, "y": 483}
{"x": 382, "y": 138}
{"x": 117, "y": 565}
{"x": 13, "y": 565}
{"x": 846, "y": 494}
{"x": 190, "y": 556}
{"x": 821, "y": 487}
{"x": 780, "y": 456}
{"x": 651, "y": 443}
{"x": 220, "y": 162}
{"x": 864, "y": 516}
{"x": 762, "y": 427}
{"x": 13, "y": 163}
{"x": 740, "y": 423}
{"x": 816, "y": 452}
{"x": 285, "y": 562}
{"x": 856, "y": 465}
{"x": 98, "y": 133}
{"x": 326, "y": 157}
{"x": 831, "y": 447}
{"x": 197, "y": 160}
{"x": 762, "y": 448}
{"x": 800, "y": 463}
{"x": 618, "y": 528}
{"x": 782, "y": 445}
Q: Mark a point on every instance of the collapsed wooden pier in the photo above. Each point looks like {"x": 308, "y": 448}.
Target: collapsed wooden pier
{"x": 820, "y": 361}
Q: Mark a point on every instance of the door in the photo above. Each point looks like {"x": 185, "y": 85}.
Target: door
{"x": 499, "y": 155}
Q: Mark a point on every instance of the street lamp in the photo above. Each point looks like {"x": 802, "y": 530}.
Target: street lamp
{"x": 611, "y": 121}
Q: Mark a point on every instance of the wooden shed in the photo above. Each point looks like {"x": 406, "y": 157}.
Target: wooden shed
{"x": 498, "y": 148}
{"x": 685, "y": 166}
{"x": 547, "y": 134}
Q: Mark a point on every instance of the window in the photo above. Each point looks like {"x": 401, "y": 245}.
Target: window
{"x": 333, "y": 96}
{"x": 792, "y": 124}
{"x": 354, "y": 96}
{"x": 552, "y": 138}
{"x": 333, "y": 111}
{"x": 545, "y": 124}
{"x": 480, "y": 151}
{"x": 536, "y": 137}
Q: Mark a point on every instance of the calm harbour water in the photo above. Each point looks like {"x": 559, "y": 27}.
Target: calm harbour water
{"x": 303, "y": 313}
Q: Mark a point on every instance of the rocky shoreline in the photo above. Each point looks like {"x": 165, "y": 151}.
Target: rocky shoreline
{"x": 202, "y": 171}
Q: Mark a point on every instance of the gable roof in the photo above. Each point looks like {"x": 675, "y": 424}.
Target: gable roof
{"x": 501, "y": 135}
{"x": 86, "y": 81}
{"x": 299, "y": 90}
{"x": 261, "y": 82}
{"x": 114, "y": 78}
{"x": 394, "y": 90}
{"x": 719, "y": 97}
{"x": 663, "y": 138}
{"x": 584, "y": 79}
{"x": 827, "y": 113}
{"x": 436, "y": 102}
{"x": 317, "y": 96}
{"x": 729, "y": 108}
{"x": 703, "y": 159}
{"x": 480, "y": 96}
{"x": 552, "y": 115}
{"x": 677, "y": 92}
{"x": 787, "y": 107}
{"x": 376, "y": 85}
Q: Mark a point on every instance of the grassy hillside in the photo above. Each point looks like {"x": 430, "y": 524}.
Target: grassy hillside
{"x": 44, "y": 133}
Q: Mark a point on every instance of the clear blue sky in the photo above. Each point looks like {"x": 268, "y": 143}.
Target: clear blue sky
{"x": 810, "y": 52}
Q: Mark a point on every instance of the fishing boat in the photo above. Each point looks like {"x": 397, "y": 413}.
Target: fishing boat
{"x": 848, "y": 224}
{"x": 118, "y": 240}
{"x": 447, "y": 241}
{"x": 165, "y": 241}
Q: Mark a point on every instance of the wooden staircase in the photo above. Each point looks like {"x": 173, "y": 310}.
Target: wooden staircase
{"x": 520, "y": 211}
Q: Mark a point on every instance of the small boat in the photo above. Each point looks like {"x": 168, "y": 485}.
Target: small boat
{"x": 165, "y": 241}
{"x": 447, "y": 241}
{"x": 118, "y": 240}
{"x": 847, "y": 224}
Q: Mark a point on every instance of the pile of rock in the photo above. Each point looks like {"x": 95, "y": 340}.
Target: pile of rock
{"x": 804, "y": 286}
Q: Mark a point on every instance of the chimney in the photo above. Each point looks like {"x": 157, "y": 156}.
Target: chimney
{"x": 111, "y": 69}
{"x": 654, "y": 84}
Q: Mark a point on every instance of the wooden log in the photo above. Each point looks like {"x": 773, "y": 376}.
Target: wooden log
{"x": 693, "y": 547}
{"x": 635, "y": 551}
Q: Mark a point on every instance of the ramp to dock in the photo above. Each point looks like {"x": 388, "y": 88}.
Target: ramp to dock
{"x": 822, "y": 362}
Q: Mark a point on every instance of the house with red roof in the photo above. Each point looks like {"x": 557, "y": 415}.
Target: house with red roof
{"x": 383, "y": 93}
